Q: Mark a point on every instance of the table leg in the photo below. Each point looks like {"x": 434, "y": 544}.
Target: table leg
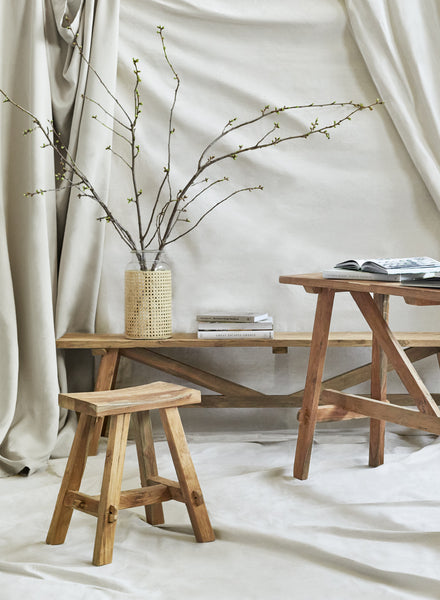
{"x": 105, "y": 380}
{"x": 312, "y": 388}
{"x": 407, "y": 373}
{"x": 379, "y": 369}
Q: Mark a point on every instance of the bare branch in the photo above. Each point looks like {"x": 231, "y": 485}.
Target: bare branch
{"x": 171, "y": 130}
{"x": 166, "y": 210}
{"x": 248, "y": 189}
{"x": 97, "y": 75}
{"x": 109, "y": 114}
{"x": 119, "y": 156}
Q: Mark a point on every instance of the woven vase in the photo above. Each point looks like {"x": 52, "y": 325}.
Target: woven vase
{"x": 148, "y": 297}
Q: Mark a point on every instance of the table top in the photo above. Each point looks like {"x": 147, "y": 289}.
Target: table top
{"x": 315, "y": 282}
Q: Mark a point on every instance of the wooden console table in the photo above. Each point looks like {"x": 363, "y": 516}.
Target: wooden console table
{"x": 372, "y": 299}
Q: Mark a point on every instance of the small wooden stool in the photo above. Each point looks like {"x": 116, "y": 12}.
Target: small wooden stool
{"x": 118, "y": 406}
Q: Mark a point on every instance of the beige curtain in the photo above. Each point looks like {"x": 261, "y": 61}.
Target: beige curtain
{"x": 400, "y": 43}
{"x": 50, "y": 246}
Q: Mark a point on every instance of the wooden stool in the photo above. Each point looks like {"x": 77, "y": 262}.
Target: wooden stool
{"x": 118, "y": 406}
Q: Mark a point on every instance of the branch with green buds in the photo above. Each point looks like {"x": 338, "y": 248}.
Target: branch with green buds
{"x": 163, "y": 219}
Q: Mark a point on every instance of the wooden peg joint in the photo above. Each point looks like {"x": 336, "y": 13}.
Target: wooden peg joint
{"x": 197, "y": 498}
{"x": 112, "y": 514}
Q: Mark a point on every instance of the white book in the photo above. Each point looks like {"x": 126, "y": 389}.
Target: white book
{"x": 433, "y": 282}
{"x": 232, "y": 325}
{"x": 242, "y": 317}
{"x": 367, "y": 275}
{"x": 214, "y": 335}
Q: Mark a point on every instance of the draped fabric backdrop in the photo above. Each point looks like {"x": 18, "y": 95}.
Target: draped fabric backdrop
{"x": 43, "y": 295}
{"x": 404, "y": 65}
{"x": 358, "y": 194}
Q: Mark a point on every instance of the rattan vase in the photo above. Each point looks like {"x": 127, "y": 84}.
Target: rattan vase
{"x": 148, "y": 296}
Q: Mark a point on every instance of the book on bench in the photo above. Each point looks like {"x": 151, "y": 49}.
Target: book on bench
{"x": 237, "y": 333}
{"x": 235, "y": 325}
{"x": 240, "y": 325}
{"x": 385, "y": 269}
{"x": 239, "y": 317}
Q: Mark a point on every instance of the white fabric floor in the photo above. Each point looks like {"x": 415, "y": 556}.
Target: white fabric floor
{"x": 349, "y": 531}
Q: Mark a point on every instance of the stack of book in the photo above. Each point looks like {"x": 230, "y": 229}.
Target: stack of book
{"x": 211, "y": 326}
{"x": 414, "y": 270}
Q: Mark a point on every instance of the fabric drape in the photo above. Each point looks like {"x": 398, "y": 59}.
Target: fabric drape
{"x": 321, "y": 202}
{"x": 400, "y": 43}
{"x": 50, "y": 245}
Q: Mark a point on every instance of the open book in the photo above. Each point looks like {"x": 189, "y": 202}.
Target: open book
{"x": 392, "y": 266}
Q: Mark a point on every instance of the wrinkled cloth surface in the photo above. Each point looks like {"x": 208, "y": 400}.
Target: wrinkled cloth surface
{"x": 349, "y": 531}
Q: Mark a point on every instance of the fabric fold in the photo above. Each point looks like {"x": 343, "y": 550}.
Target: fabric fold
{"x": 51, "y": 244}
{"x": 400, "y": 45}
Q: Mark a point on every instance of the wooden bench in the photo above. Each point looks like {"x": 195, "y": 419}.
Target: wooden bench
{"x": 227, "y": 393}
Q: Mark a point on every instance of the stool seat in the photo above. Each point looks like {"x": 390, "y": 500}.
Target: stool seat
{"x": 119, "y": 406}
{"x": 129, "y": 400}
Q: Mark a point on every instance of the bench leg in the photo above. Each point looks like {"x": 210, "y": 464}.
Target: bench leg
{"x": 147, "y": 462}
{"x": 71, "y": 480}
{"x": 312, "y": 389}
{"x": 111, "y": 489}
{"x": 186, "y": 474}
{"x": 106, "y": 378}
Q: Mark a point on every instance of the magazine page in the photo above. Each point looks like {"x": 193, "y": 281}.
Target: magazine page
{"x": 415, "y": 264}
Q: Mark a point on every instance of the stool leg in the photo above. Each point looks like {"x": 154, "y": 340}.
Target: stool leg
{"x": 71, "y": 480}
{"x": 147, "y": 462}
{"x": 186, "y": 474}
{"x": 111, "y": 489}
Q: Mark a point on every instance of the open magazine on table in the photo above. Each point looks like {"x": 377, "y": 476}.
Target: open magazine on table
{"x": 392, "y": 266}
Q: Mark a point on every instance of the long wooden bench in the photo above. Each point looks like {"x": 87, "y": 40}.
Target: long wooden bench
{"x": 228, "y": 393}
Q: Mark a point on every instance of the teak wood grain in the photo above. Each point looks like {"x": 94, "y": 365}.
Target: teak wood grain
{"x": 410, "y": 294}
{"x": 119, "y": 406}
{"x": 147, "y": 462}
{"x": 187, "y": 372}
{"x": 186, "y": 474}
{"x": 71, "y": 481}
{"x": 128, "y": 400}
{"x": 312, "y": 390}
{"x": 105, "y": 380}
{"x": 111, "y": 489}
{"x": 380, "y": 410}
{"x": 402, "y": 365}
{"x": 378, "y": 387}
{"x": 294, "y": 339}
{"x": 371, "y": 298}
{"x": 229, "y": 394}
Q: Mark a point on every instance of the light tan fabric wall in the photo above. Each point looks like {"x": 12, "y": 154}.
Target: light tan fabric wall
{"x": 355, "y": 195}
